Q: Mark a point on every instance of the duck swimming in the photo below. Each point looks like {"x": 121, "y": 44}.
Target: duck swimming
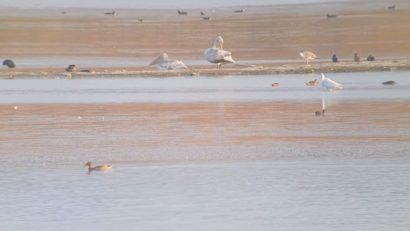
{"x": 98, "y": 167}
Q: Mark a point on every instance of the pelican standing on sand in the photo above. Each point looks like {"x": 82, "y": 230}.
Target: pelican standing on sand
{"x": 308, "y": 55}
{"x": 330, "y": 84}
{"x": 162, "y": 62}
{"x": 216, "y": 54}
{"x": 98, "y": 167}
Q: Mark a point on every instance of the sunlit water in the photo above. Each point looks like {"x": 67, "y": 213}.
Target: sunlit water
{"x": 205, "y": 153}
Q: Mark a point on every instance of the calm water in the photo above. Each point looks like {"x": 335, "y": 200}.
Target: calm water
{"x": 358, "y": 86}
{"x": 205, "y": 153}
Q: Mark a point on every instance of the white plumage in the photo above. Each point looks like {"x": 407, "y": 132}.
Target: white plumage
{"x": 308, "y": 56}
{"x": 330, "y": 84}
{"x": 162, "y": 62}
{"x": 216, "y": 54}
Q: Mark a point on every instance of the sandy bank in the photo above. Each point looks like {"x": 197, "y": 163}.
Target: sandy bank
{"x": 270, "y": 122}
{"x": 261, "y": 33}
{"x": 208, "y": 70}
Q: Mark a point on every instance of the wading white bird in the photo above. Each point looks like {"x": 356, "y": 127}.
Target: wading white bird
{"x": 322, "y": 113}
{"x": 98, "y": 167}
{"x": 216, "y": 54}
{"x": 330, "y": 84}
{"x": 308, "y": 56}
{"x": 162, "y": 62}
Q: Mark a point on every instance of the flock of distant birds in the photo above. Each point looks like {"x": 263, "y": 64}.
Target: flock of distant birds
{"x": 217, "y": 55}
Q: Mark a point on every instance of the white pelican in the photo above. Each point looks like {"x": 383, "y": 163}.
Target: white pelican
{"x": 162, "y": 62}
{"x": 307, "y": 55}
{"x": 98, "y": 167}
{"x": 216, "y": 54}
{"x": 330, "y": 84}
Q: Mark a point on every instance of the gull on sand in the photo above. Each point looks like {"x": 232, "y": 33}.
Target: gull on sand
{"x": 308, "y": 56}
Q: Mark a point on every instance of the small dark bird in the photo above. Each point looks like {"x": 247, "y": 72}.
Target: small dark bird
{"x": 71, "y": 68}
{"x": 390, "y": 82}
{"x": 356, "y": 58}
{"x": 110, "y": 13}
{"x": 182, "y": 12}
{"x": 140, "y": 20}
{"x": 320, "y": 113}
{"x": 206, "y": 18}
{"x": 275, "y": 85}
{"x": 9, "y": 63}
{"x": 392, "y": 7}
{"x": 202, "y": 13}
{"x": 334, "y": 58}
{"x": 331, "y": 16}
{"x": 239, "y": 11}
{"x": 370, "y": 58}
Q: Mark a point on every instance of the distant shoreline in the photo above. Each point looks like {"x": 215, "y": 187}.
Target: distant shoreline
{"x": 122, "y": 42}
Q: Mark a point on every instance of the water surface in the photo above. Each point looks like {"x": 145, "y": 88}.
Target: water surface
{"x": 205, "y": 153}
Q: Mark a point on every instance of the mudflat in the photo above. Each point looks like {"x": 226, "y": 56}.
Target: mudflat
{"x": 265, "y": 35}
{"x": 210, "y": 124}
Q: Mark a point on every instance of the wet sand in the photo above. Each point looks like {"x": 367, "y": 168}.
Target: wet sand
{"x": 269, "y": 33}
{"x": 35, "y": 128}
{"x": 207, "y": 70}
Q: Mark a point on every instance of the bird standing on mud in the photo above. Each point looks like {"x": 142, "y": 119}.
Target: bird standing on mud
{"x": 216, "y": 54}
{"x": 308, "y": 56}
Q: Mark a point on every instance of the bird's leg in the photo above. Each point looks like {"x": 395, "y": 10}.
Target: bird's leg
{"x": 219, "y": 66}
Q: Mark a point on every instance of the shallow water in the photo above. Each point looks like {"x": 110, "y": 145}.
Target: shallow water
{"x": 205, "y": 153}
{"x": 358, "y": 86}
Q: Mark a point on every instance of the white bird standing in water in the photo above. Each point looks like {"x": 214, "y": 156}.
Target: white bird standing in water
{"x": 162, "y": 62}
{"x": 330, "y": 84}
{"x": 216, "y": 54}
{"x": 308, "y": 55}
{"x": 322, "y": 113}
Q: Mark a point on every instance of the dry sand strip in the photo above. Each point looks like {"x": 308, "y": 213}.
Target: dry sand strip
{"x": 207, "y": 70}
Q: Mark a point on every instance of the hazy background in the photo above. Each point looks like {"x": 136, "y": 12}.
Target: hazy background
{"x": 146, "y": 4}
